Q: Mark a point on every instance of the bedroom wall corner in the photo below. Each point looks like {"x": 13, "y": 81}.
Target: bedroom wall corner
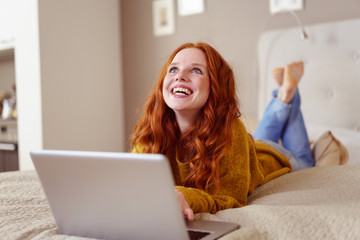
{"x": 69, "y": 77}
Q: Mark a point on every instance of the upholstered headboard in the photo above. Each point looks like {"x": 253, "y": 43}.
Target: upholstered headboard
{"x": 330, "y": 87}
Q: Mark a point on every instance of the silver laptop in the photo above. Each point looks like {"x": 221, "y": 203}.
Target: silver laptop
{"x": 116, "y": 196}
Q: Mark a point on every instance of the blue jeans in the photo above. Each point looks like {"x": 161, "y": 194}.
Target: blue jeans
{"x": 285, "y": 122}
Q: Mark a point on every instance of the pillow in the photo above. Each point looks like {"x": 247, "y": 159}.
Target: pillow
{"x": 329, "y": 151}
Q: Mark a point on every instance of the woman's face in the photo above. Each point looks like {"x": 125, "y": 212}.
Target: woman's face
{"x": 186, "y": 85}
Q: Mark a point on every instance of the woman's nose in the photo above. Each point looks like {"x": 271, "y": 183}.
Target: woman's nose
{"x": 180, "y": 76}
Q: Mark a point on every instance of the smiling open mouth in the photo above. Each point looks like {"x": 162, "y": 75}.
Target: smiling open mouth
{"x": 181, "y": 91}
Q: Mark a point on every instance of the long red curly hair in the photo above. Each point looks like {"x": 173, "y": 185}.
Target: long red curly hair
{"x": 204, "y": 144}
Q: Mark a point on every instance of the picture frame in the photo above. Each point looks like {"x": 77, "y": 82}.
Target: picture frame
{"x": 163, "y": 17}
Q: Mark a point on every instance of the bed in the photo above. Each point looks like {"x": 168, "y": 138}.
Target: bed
{"x": 316, "y": 203}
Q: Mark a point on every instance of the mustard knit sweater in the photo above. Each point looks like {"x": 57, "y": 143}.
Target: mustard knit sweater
{"x": 247, "y": 165}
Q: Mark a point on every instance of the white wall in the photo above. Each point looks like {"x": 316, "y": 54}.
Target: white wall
{"x": 28, "y": 85}
{"x": 68, "y": 76}
{"x": 7, "y": 19}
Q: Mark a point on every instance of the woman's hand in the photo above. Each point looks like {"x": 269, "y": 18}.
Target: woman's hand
{"x": 184, "y": 206}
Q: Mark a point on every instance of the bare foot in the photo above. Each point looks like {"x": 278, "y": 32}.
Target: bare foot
{"x": 292, "y": 75}
{"x": 278, "y": 75}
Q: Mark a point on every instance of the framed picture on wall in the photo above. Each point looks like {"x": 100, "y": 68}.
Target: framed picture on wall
{"x": 163, "y": 17}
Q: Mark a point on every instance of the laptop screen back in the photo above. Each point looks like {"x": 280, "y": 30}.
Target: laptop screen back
{"x": 108, "y": 195}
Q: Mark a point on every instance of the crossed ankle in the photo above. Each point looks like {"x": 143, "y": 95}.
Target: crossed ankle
{"x": 286, "y": 94}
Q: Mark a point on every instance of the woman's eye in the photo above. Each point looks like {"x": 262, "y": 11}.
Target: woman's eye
{"x": 173, "y": 70}
{"x": 197, "y": 70}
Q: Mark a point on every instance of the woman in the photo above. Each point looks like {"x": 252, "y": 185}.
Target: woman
{"x": 192, "y": 117}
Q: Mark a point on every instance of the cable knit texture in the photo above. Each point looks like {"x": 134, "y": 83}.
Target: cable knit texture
{"x": 246, "y": 166}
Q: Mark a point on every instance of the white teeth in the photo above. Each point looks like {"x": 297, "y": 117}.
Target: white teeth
{"x": 181, "y": 91}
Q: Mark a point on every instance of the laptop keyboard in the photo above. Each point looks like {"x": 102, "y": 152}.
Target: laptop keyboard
{"x": 195, "y": 235}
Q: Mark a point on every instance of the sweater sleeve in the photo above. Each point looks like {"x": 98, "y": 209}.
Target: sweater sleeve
{"x": 201, "y": 201}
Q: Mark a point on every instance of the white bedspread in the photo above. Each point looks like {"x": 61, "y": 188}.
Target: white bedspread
{"x": 316, "y": 203}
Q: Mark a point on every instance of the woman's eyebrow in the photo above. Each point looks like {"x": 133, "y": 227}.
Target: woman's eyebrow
{"x": 192, "y": 64}
{"x": 199, "y": 65}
